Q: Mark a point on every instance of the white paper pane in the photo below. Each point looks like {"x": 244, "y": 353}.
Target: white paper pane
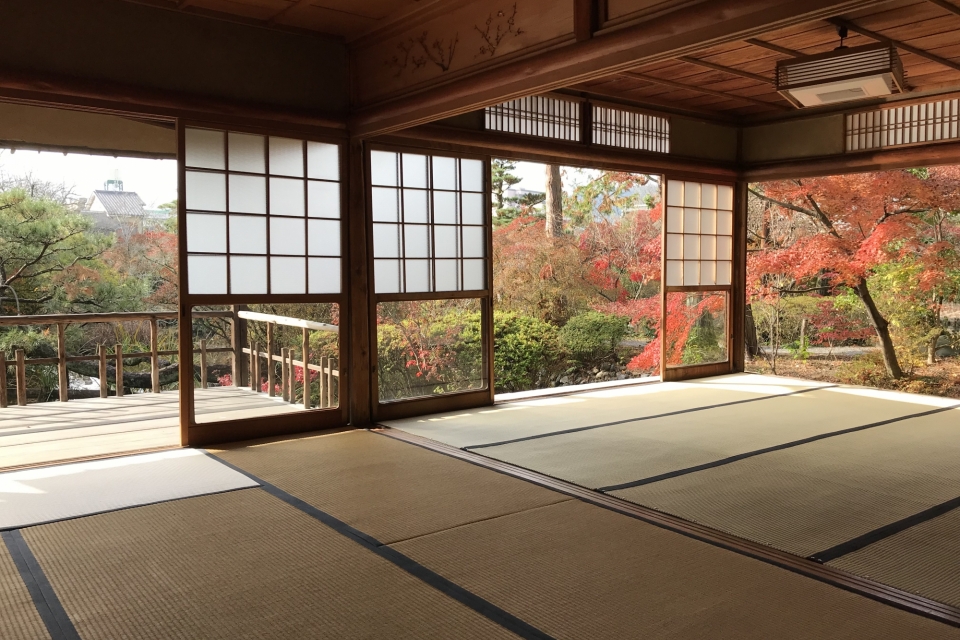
{"x": 674, "y": 220}
{"x": 204, "y": 149}
{"x": 323, "y": 275}
{"x": 248, "y": 194}
{"x": 473, "y": 242}
{"x": 385, "y": 207}
{"x": 674, "y": 273}
{"x": 724, "y": 248}
{"x": 708, "y": 248}
{"x": 415, "y": 206}
{"x": 471, "y": 175}
{"x": 691, "y": 221}
{"x": 447, "y": 272}
{"x": 707, "y": 275}
{"x": 691, "y": 194}
{"x": 472, "y": 208}
{"x": 674, "y": 246}
{"x": 445, "y": 241}
{"x": 248, "y": 274}
{"x": 444, "y": 173}
{"x": 708, "y": 196}
{"x": 286, "y": 157}
{"x": 414, "y": 170}
{"x": 724, "y": 222}
{"x": 416, "y": 241}
{"x": 286, "y": 197}
{"x": 323, "y": 199}
{"x": 383, "y": 169}
{"x": 674, "y": 193}
{"x": 323, "y": 237}
{"x": 691, "y": 272}
{"x": 323, "y": 163}
{"x": 248, "y": 234}
{"x": 708, "y": 221}
{"x": 386, "y": 276}
{"x": 444, "y": 207}
{"x": 386, "y": 240}
{"x": 473, "y": 275}
{"x": 247, "y": 153}
{"x": 287, "y": 237}
{"x": 418, "y": 275}
{"x": 207, "y": 274}
{"x": 723, "y": 272}
{"x": 206, "y": 233}
{"x": 206, "y": 191}
{"x": 288, "y": 275}
{"x": 725, "y": 197}
{"x": 691, "y": 247}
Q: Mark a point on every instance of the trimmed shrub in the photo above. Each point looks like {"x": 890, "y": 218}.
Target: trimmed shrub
{"x": 592, "y": 337}
{"x": 529, "y": 353}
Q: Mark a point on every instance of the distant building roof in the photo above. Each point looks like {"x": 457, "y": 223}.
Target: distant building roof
{"x": 118, "y": 203}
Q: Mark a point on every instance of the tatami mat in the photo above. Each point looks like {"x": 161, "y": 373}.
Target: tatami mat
{"x": 924, "y": 559}
{"x": 19, "y": 619}
{"x": 645, "y": 449}
{"x": 521, "y": 419}
{"x": 810, "y": 498}
{"x": 237, "y": 565}
{"x": 579, "y": 571}
{"x": 386, "y": 488}
{"x": 45, "y": 494}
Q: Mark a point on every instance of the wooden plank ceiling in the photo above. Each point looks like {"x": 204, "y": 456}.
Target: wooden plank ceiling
{"x": 737, "y": 79}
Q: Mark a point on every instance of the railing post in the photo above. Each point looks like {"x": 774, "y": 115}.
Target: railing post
{"x": 284, "y": 392}
{"x": 203, "y": 363}
{"x": 154, "y": 357}
{"x": 3, "y": 380}
{"x": 255, "y": 367}
{"x": 63, "y": 379}
{"x": 271, "y": 369}
{"x": 332, "y": 363}
{"x": 238, "y": 338}
{"x": 104, "y": 384}
{"x": 306, "y": 370}
{"x": 21, "y": 379}
{"x": 119, "y": 370}
{"x": 323, "y": 382}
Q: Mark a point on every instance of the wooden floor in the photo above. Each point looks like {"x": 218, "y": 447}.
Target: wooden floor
{"x": 53, "y": 431}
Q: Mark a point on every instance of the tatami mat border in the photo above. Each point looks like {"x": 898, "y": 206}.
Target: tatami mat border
{"x": 856, "y": 584}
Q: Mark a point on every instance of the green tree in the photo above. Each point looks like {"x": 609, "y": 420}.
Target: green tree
{"x": 502, "y": 179}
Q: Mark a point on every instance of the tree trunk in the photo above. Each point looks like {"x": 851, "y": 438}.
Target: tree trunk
{"x": 932, "y": 348}
{"x": 882, "y": 328}
{"x": 554, "y": 202}
{"x": 750, "y": 328}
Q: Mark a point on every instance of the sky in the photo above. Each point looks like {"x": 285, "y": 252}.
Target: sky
{"x": 155, "y": 181}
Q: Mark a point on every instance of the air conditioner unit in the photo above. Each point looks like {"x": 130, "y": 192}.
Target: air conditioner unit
{"x": 841, "y": 75}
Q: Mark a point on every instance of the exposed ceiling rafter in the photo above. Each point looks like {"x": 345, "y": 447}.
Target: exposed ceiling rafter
{"x": 773, "y": 47}
{"x": 852, "y": 26}
{"x": 704, "y": 90}
{"x": 943, "y": 4}
{"x": 730, "y": 70}
{"x": 287, "y": 9}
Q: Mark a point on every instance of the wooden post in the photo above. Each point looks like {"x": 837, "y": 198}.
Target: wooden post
{"x": 255, "y": 367}
{"x": 203, "y": 363}
{"x": 271, "y": 367}
{"x": 238, "y": 338}
{"x": 3, "y": 380}
{"x": 104, "y": 384}
{"x": 306, "y": 370}
{"x": 154, "y": 357}
{"x": 323, "y": 382}
{"x": 283, "y": 374}
{"x": 21, "y": 379}
{"x": 119, "y": 370}
{"x": 331, "y": 362}
{"x": 63, "y": 379}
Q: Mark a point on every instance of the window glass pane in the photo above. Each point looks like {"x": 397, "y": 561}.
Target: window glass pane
{"x": 203, "y": 148}
{"x": 472, "y": 208}
{"x": 323, "y": 275}
{"x": 287, "y": 237}
{"x": 247, "y": 153}
{"x": 248, "y": 274}
{"x": 207, "y": 274}
{"x": 286, "y": 197}
{"x": 386, "y": 274}
{"x": 445, "y": 242}
{"x": 471, "y": 175}
{"x": 674, "y": 245}
{"x": 444, "y": 207}
{"x": 286, "y": 157}
{"x": 207, "y": 191}
{"x": 248, "y": 194}
{"x": 447, "y": 275}
{"x": 415, "y": 206}
{"x": 444, "y": 173}
{"x": 383, "y": 169}
{"x": 473, "y": 275}
{"x": 385, "y": 208}
{"x": 418, "y": 275}
{"x": 416, "y": 240}
{"x": 674, "y": 193}
{"x": 386, "y": 241}
{"x": 288, "y": 275}
{"x": 323, "y": 238}
{"x": 323, "y": 161}
{"x": 414, "y": 170}
{"x": 697, "y": 328}
{"x": 206, "y": 233}
{"x": 323, "y": 199}
{"x": 691, "y": 273}
{"x": 248, "y": 234}
{"x": 473, "y": 242}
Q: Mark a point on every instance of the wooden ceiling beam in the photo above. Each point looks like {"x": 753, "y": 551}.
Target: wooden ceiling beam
{"x": 773, "y": 47}
{"x": 709, "y": 92}
{"x": 183, "y": 4}
{"x": 729, "y": 70}
{"x": 943, "y": 4}
{"x": 852, "y": 26}
{"x": 287, "y": 9}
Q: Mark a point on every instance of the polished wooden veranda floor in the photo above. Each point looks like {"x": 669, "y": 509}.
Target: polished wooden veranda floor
{"x": 52, "y": 431}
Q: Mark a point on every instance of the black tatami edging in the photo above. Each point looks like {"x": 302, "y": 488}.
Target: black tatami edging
{"x": 45, "y": 599}
{"x": 779, "y": 447}
{"x": 467, "y": 598}
{"x": 641, "y": 418}
{"x": 878, "y": 534}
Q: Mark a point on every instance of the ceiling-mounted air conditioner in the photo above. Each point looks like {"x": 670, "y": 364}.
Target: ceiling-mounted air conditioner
{"x": 841, "y": 75}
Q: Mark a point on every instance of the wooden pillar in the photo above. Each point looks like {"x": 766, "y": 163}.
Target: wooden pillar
{"x": 283, "y": 374}
{"x": 3, "y": 380}
{"x": 254, "y": 367}
{"x": 331, "y": 363}
{"x": 238, "y": 338}
{"x": 306, "y": 369}
{"x": 203, "y": 364}
{"x": 119, "y": 370}
{"x": 271, "y": 367}
{"x": 21, "y": 373}
{"x": 104, "y": 384}
{"x": 738, "y": 295}
{"x": 359, "y": 324}
{"x": 63, "y": 378}
{"x": 323, "y": 382}
{"x": 154, "y": 356}
{"x": 586, "y": 18}
{"x": 291, "y": 380}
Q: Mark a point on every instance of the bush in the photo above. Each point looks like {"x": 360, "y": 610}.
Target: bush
{"x": 866, "y": 370}
{"x": 592, "y": 338}
{"x": 529, "y": 352}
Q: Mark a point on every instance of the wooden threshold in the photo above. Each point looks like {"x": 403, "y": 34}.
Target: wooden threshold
{"x": 856, "y": 584}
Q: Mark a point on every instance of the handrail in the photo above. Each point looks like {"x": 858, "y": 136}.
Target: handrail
{"x": 290, "y": 322}
{"x": 120, "y": 316}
